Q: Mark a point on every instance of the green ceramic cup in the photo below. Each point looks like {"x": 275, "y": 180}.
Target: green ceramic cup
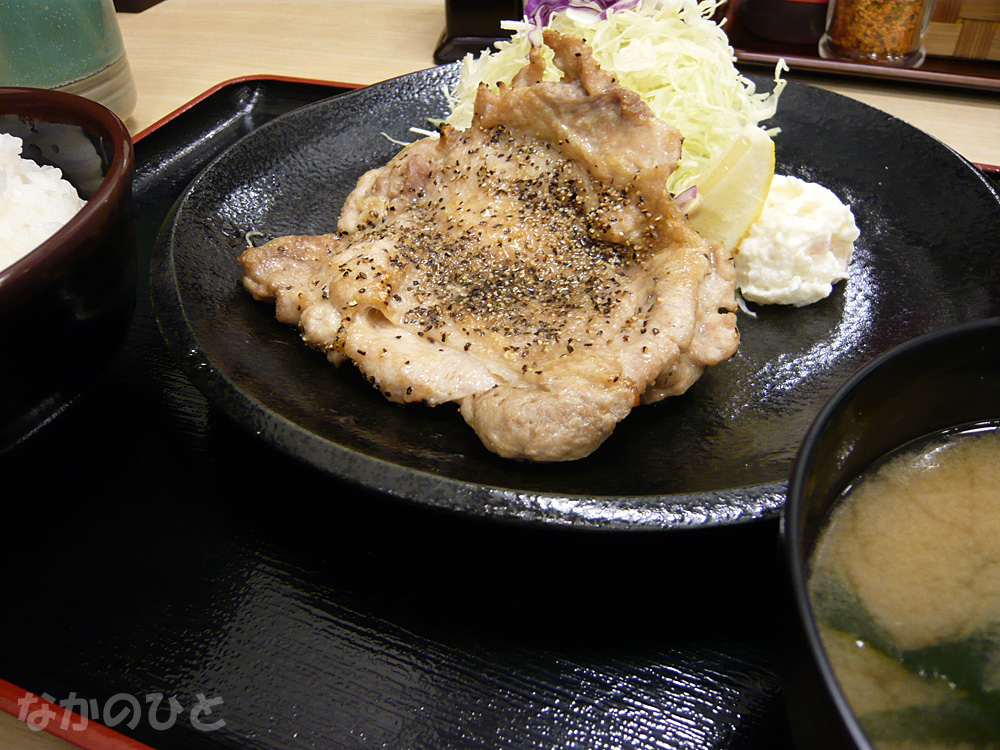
{"x": 70, "y": 45}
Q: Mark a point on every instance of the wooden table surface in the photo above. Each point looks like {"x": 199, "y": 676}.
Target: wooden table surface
{"x": 181, "y": 48}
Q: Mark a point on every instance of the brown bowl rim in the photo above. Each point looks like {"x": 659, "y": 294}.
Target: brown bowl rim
{"x": 39, "y": 267}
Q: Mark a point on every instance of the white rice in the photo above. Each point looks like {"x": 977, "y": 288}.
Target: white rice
{"x": 35, "y": 202}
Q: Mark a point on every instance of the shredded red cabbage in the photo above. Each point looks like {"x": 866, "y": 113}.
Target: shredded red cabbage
{"x": 685, "y": 197}
{"x": 538, "y": 12}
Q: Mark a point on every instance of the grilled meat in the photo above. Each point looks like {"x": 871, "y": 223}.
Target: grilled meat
{"x": 533, "y": 268}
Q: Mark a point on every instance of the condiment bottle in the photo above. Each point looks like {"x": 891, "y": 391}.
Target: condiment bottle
{"x": 69, "y": 45}
{"x": 889, "y": 32}
{"x": 788, "y": 21}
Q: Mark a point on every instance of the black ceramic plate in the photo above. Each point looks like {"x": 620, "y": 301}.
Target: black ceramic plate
{"x": 719, "y": 454}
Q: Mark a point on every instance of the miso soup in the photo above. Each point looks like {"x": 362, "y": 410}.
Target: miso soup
{"x": 905, "y": 585}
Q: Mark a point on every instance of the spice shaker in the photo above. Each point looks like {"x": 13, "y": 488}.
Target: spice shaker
{"x": 889, "y": 32}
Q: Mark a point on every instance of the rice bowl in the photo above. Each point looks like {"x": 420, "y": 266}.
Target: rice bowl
{"x": 66, "y": 304}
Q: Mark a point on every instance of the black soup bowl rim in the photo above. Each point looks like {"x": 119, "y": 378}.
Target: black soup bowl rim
{"x": 792, "y": 541}
{"x": 29, "y": 274}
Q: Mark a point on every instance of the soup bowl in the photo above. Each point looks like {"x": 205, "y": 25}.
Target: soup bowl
{"x": 66, "y": 306}
{"x": 941, "y": 380}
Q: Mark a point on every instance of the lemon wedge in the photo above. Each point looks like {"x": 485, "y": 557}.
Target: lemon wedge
{"x": 732, "y": 191}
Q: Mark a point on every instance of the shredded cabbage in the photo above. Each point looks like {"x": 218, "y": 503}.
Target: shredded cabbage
{"x": 669, "y": 51}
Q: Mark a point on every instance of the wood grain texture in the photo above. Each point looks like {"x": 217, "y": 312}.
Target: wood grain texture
{"x": 181, "y": 48}
{"x": 965, "y": 29}
{"x": 17, "y": 735}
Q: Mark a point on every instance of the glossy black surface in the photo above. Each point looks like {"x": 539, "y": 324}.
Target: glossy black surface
{"x": 151, "y": 546}
{"x": 946, "y": 379}
{"x": 717, "y": 455}
{"x": 473, "y": 25}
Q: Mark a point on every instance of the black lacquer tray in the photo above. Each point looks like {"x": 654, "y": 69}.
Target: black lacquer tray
{"x": 152, "y": 547}
{"x": 156, "y": 548}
